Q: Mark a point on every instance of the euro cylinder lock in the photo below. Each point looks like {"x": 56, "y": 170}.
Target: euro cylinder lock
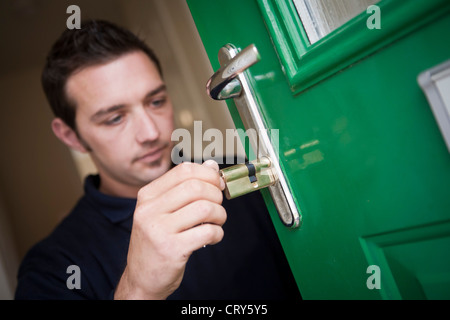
{"x": 244, "y": 178}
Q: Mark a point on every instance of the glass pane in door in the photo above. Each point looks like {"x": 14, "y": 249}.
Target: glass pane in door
{"x": 320, "y": 17}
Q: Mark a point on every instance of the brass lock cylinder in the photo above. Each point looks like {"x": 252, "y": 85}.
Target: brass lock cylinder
{"x": 248, "y": 177}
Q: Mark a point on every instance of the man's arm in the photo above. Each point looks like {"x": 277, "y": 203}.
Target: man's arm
{"x": 175, "y": 215}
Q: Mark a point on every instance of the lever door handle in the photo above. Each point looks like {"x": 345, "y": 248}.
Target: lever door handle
{"x": 230, "y": 81}
{"x": 223, "y": 84}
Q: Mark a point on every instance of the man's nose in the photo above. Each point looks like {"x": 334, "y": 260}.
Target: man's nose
{"x": 146, "y": 129}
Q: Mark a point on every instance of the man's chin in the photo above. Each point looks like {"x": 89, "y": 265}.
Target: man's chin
{"x": 155, "y": 169}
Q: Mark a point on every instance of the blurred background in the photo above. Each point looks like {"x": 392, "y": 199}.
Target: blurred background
{"x": 40, "y": 178}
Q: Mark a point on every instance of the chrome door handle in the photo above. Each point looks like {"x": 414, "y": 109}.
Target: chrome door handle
{"x": 223, "y": 84}
{"x": 230, "y": 81}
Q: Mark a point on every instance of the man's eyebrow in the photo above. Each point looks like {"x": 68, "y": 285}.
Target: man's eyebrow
{"x": 105, "y": 111}
{"x": 160, "y": 89}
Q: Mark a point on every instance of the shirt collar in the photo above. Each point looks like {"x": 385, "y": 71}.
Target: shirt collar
{"x": 115, "y": 209}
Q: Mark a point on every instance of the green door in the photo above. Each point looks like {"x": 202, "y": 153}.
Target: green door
{"x": 358, "y": 142}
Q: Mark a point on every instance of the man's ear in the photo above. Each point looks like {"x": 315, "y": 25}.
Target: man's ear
{"x": 67, "y": 135}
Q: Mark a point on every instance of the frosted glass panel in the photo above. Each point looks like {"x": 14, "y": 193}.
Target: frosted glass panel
{"x": 435, "y": 82}
{"x": 320, "y": 17}
{"x": 443, "y": 85}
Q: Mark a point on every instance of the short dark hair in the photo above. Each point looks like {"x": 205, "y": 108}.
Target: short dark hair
{"x": 96, "y": 42}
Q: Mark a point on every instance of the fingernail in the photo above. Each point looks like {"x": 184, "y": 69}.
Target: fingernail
{"x": 222, "y": 184}
{"x": 212, "y": 164}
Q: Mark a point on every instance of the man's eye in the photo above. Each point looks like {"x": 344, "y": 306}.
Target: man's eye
{"x": 158, "y": 103}
{"x": 114, "y": 120}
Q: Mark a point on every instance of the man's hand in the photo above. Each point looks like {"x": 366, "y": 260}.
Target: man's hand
{"x": 175, "y": 215}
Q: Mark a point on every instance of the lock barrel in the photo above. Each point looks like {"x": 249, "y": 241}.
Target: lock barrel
{"x": 248, "y": 177}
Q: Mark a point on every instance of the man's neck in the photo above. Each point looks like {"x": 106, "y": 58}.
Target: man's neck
{"x": 114, "y": 188}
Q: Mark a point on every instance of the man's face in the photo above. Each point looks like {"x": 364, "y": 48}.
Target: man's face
{"x": 124, "y": 118}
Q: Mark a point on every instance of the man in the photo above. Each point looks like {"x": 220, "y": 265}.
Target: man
{"x": 145, "y": 229}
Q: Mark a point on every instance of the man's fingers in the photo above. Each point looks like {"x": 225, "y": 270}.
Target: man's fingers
{"x": 208, "y": 172}
{"x": 197, "y": 213}
{"x": 185, "y": 193}
{"x": 211, "y": 164}
{"x": 215, "y": 166}
{"x": 200, "y": 236}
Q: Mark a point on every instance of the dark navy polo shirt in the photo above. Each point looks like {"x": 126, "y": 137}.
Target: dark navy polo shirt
{"x": 247, "y": 264}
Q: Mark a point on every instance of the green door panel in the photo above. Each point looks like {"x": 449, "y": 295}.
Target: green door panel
{"x": 362, "y": 153}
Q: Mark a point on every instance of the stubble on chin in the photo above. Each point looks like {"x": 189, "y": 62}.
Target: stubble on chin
{"x": 158, "y": 167}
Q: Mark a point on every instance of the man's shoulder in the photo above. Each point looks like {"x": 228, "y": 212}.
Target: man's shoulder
{"x": 43, "y": 271}
{"x": 82, "y": 227}
{"x": 56, "y": 248}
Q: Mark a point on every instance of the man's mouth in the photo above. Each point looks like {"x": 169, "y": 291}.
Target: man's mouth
{"x": 152, "y": 156}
